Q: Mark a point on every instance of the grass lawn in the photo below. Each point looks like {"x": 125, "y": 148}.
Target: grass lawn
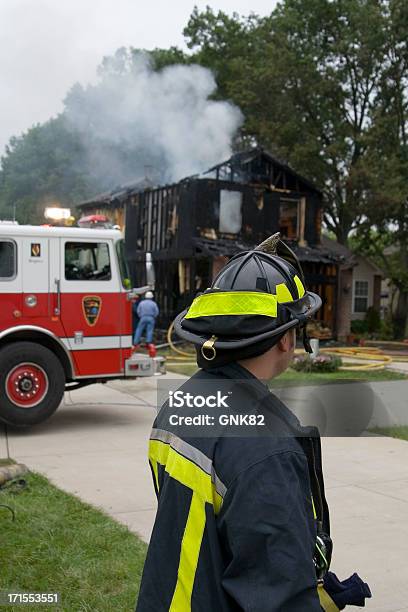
{"x": 393, "y": 432}
{"x": 6, "y": 462}
{"x": 314, "y": 378}
{"x": 60, "y": 544}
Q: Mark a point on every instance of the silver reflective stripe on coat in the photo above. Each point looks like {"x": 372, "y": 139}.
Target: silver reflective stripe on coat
{"x": 192, "y": 453}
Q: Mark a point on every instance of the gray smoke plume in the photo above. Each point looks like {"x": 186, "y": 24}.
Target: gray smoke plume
{"x": 136, "y": 117}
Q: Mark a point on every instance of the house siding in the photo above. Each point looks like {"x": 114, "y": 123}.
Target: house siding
{"x": 364, "y": 271}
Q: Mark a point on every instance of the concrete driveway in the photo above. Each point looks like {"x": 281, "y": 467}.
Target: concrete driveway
{"x": 95, "y": 447}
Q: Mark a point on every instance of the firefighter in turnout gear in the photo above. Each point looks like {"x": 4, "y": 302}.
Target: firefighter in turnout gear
{"x": 242, "y": 520}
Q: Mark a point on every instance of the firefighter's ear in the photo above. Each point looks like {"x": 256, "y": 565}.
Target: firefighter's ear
{"x": 287, "y": 342}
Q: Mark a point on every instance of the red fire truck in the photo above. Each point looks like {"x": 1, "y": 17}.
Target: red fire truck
{"x": 65, "y": 317}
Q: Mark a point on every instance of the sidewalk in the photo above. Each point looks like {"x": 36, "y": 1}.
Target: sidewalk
{"x": 399, "y": 366}
{"x": 95, "y": 447}
{"x": 367, "y": 491}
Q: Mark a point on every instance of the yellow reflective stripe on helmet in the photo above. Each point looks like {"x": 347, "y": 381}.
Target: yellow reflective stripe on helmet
{"x": 186, "y": 472}
{"x": 233, "y": 303}
{"x": 283, "y": 294}
{"x": 190, "y": 551}
{"x": 300, "y": 287}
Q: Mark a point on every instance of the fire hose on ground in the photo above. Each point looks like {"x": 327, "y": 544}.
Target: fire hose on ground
{"x": 181, "y": 357}
{"x": 379, "y": 360}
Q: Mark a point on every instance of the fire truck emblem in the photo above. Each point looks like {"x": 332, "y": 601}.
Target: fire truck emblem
{"x": 91, "y": 305}
{"x": 35, "y": 249}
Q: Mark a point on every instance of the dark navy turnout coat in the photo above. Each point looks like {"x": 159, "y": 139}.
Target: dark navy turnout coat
{"x": 237, "y": 514}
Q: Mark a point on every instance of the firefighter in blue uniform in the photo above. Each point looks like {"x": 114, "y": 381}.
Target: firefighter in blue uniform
{"x": 242, "y": 522}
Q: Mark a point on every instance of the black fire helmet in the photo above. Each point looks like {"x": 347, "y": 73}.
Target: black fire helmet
{"x": 253, "y": 301}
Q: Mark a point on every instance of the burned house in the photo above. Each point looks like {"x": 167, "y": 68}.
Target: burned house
{"x": 191, "y": 228}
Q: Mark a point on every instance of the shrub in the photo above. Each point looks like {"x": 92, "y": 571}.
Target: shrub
{"x": 387, "y": 331}
{"x": 359, "y": 327}
{"x": 302, "y": 363}
{"x": 373, "y": 320}
{"x": 322, "y": 363}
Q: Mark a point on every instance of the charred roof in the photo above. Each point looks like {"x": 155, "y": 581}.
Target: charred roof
{"x": 258, "y": 165}
{"x": 321, "y": 253}
{"x": 254, "y": 166}
{"x": 118, "y": 195}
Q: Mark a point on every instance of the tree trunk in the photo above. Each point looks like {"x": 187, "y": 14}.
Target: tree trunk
{"x": 342, "y": 231}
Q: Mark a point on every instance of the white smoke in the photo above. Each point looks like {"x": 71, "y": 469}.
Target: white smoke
{"x": 163, "y": 119}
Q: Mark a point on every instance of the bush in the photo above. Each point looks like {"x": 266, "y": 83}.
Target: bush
{"x": 387, "y": 331}
{"x": 359, "y": 327}
{"x": 373, "y": 320}
{"x": 322, "y": 363}
{"x": 373, "y": 326}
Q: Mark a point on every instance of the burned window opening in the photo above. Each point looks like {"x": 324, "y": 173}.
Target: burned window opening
{"x": 230, "y": 215}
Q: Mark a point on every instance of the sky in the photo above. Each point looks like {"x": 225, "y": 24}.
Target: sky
{"x": 48, "y": 45}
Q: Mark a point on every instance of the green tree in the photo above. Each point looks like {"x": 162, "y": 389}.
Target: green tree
{"x": 43, "y": 166}
{"x": 322, "y": 83}
{"x": 306, "y": 79}
{"x": 384, "y": 233}
{"x": 235, "y": 48}
{"x": 161, "y": 58}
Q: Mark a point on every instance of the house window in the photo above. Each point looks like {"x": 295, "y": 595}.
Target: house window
{"x": 87, "y": 261}
{"x": 230, "y": 211}
{"x": 360, "y": 296}
{"x": 8, "y": 260}
{"x": 289, "y": 219}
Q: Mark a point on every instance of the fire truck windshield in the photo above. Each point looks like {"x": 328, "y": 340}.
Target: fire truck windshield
{"x": 124, "y": 270}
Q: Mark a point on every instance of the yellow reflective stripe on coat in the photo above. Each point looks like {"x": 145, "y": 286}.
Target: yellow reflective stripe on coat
{"x": 186, "y": 472}
{"x": 314, "y": 508}
{"x": 233, "y": 303}
{"x": 190, "y": 551}
{"x": 204, "y": 490}
{"x": 326, "y": 601}
{"x": 155, "y": 472}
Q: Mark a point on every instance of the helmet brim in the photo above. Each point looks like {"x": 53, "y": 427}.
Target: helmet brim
{"x": 301, "y": 311}
{"x": 305, "y": 308}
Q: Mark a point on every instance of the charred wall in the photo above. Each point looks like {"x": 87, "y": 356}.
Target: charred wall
{"x": 170, "y": 222}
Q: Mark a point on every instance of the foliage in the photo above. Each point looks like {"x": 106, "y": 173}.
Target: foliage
{"x": 359, "y": 327}
{"x": 373, "y": 320}
{"x": 383, "y": 235}
{"x": 387, "y": 331}
{"x": 41, "y": 167}
{"x": 392, "y": 432}
{"x": 161, "y": 58}
{"x": 295, "y": 378}
{"x": 322, "y": 83}
{"x": 387, "y": 246}
{"x": 321, "y": 363}
{"x": 373, "y": 326}
{"x": 306, "y": 79}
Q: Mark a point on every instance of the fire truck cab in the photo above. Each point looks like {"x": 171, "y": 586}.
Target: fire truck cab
{"x": 65, "y": 317}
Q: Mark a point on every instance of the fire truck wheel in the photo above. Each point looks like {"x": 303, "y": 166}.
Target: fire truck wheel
{"x": 32, "y": 383}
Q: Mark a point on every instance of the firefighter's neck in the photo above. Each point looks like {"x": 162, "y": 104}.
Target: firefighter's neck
{"x": 275, "y": 361}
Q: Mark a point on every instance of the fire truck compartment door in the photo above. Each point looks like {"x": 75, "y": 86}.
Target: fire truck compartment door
{"x": 35, "y": 261}
{"x": 90, "y": 300}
